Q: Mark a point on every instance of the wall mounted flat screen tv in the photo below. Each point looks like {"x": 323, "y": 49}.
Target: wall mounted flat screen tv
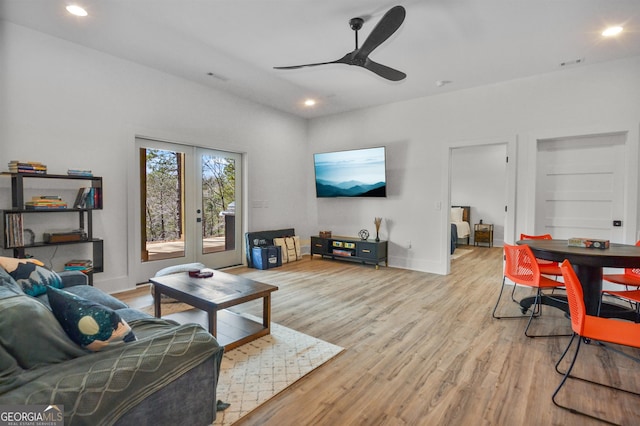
{"x": 354, "y": 173}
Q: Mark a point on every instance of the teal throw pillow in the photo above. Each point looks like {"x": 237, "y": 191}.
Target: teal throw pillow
{"x": 89, "y": 324}
{"x": 34, "y": 278}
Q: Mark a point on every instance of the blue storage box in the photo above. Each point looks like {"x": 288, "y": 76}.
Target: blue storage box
{"x": 265, "y": 257}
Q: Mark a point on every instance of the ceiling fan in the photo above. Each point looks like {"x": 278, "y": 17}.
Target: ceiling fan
{"x": 387, "y": 25}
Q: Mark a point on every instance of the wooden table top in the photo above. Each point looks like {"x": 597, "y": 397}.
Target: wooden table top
{"x": 616, "y": 256}
{"x": 219, "y": 291}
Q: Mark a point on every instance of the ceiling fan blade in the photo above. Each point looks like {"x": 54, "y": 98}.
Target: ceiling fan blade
{"x": 388, "y": 25}
{"x": 344, "y": 60}
{"x": 384, "y": 71}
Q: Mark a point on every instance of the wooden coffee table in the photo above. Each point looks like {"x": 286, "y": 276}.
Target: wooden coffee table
{"x": 212, "y": 296}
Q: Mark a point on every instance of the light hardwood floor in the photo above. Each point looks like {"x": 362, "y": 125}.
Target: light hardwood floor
{"x": 423, "y": 349}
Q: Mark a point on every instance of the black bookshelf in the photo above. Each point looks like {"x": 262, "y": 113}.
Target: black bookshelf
{"x": 13, "y": 219}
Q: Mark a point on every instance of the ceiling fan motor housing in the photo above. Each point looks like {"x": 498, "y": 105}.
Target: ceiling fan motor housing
{"x": 356, "y": 23}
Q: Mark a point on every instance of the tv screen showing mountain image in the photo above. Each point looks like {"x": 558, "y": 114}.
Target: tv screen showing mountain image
{"x": 354, "y": 173}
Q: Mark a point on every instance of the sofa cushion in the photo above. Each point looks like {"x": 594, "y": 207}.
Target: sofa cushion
{"x": 8, "y": 286}
{"x": 93, "y": 294}
{"x": 130, "y": 315}
{"x": 31, "y": 275}
{"x": 8, "y": 366}
{"x": 31, "y": 335}
{"x": 89, "y": 324}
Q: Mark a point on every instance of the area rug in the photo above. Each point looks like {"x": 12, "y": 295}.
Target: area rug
{"x": 460, "y": 252}
{"x": 253, "y": 373}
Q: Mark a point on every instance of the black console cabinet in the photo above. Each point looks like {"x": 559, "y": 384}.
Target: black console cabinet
{"x": 354, "y": 249}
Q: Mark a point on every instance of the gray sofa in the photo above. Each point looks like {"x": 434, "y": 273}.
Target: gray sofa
{"x": 167, "y": 376}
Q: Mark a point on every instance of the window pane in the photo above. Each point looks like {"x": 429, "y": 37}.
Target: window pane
{"x": 218, "y": 203}
{"x": 162, "y": 192}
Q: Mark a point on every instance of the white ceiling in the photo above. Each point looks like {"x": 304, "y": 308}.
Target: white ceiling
{"x": 468, "y": 42}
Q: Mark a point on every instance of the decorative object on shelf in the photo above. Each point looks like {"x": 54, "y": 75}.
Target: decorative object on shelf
{"x": 29, "y": 237}
{"x": 364, "y": 234}
{"x": 325, "y": 234}
{"x": 377, "y": 221}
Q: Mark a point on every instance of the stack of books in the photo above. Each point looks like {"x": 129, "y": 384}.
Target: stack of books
{"x": 79, "y": 172}
{"x": 46, "y": 202}
{"x": 82, "y": 265}
{"x": 16, "y": 166}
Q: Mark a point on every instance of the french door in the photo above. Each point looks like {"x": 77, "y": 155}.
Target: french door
{"x": 189, "y": 199}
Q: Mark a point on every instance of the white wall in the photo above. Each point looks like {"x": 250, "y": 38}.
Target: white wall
{"x": 478, "y": 176}
{"x": 582, "y": 100}
{"x": 69, "y": 106}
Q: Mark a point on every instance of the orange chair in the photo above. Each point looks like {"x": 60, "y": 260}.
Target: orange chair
{"x": 630, "y": 278}
{"x": 588, "y": 327}
{"x": 521, "y": 268}
{"x": 631, "y": 296}
{"x": 547, "y": 267}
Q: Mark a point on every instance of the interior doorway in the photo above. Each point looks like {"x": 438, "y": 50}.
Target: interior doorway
{"x": 482, "y": 175}
{"x": 478, "y": 180}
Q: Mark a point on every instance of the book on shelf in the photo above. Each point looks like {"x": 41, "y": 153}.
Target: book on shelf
{"x": 46, "y": 202}
{"x": 79, "y": 172}
{"x": 82, "y": 265}
{"x": 46, "y": 197}
{"x": 17, "y": 166}
{"x": 88, "y": 198}
{"x": 14, "y": 233}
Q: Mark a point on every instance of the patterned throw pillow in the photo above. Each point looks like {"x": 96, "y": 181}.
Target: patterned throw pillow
{"x": 89, "y": 324}
{"x": 31, "y": 275}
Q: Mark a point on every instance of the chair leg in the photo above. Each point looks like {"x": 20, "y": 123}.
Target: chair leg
{"x": 498, "y": 302}
{"x": 499, "y": 297}
{"x": 567, "y": 375}
{"x": 513, "y": 292}
{"x": 538, "y": 301}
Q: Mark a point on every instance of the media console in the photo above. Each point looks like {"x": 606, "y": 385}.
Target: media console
{"x": 353, "y": 249}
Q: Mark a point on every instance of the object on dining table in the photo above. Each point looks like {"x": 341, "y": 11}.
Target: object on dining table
{"x": 588, "y": 243}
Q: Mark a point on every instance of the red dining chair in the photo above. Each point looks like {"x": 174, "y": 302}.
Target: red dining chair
{"x": 631, "y": 296}
{"x": 547, "y": 267}
{"x": 521, "y": 268}
{"x": 588, "y": 328}
{"x": 630, "y": 278}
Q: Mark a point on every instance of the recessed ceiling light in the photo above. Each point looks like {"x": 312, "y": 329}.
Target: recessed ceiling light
{"x": 76, "y": 10}
{"x": 309, "y": 102}
{"x": 612, "y": 31}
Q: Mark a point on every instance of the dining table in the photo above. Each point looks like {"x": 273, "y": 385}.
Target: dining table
{"x": 588, "y": 263}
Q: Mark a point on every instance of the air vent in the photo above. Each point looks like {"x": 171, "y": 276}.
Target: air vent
{"x": 572, "y": 62}
{"x": 219, "y": 77}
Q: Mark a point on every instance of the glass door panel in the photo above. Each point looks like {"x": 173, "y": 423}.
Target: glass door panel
{"x": 219, "y": 190}
{"x": 163, "y": 200}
